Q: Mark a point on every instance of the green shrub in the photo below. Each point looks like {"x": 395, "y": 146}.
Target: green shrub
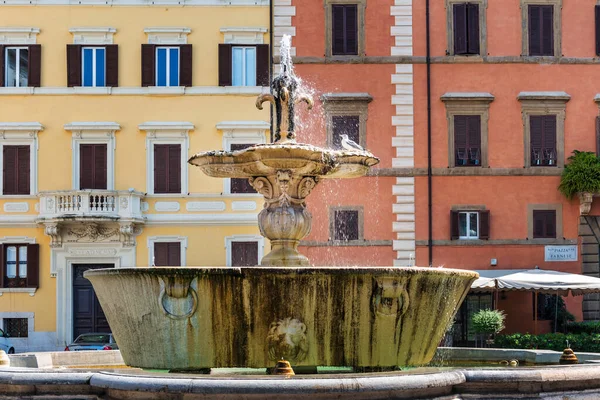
{"x": 589, "y": 327}
{"x": 582, "y": 342}
{"x": 581, "y": 174}
{"x": 488, "y": 321}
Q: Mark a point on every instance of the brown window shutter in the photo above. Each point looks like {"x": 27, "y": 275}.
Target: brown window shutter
{"x": 351, "y": 28}
{"x": 460, "y": 28}
{"x": 2, "y": 265}
{"x": 86, "y": 166}
{"x": 536, "y": 126}
{"x": 454, "y": 233}
{"x": 2, "y": 47}
{"x": 174, "y": 254}
{"x": 474, "y": 140}
{"x": 112, "y": 65}
{"x": 174, "y": 172}
{"x": 161, "y": 152}
{"x": 225, "y": 78}
{"x": 538, "y": 224}
{"x": 33, "y": 266}
{"x": 549, "y": 138}
{"x": 148, "y": 64}
{"x": 244, "y": 254}
{"x": 344, "y": 35}
{"x": 345, "y": 124}
{"x": 346, "y": 225}
{"x": 551, "y": 224}
{"x": 161, "y": 255}
{"x": 23, "y": 169}
{"x": 598, "y": 136}
{"x": 35, "y": 65}
{"x": 240, "y": 185}
{"x": 535, "y": 30}
{"x": 460, "y": 140}
{"x": 100, "y": 166}
{"x": 547, "y": 30}
{"x": 484, "y": 225}
{"x": 73, "y": 65}
{"x": 185, "y": 65}
{"x": 262, "y": 65}
{"x": 472, "y": 28}
{"x": 337, "y": 29}
{"x": 10, "y": 170}
{"x": 597, "y": 15}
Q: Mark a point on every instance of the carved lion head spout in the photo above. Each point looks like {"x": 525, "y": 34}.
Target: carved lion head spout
{"x": 287, "y": 339}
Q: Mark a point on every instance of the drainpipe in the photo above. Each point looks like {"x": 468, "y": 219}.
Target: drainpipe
{"x": 429, "y": 175}
{"x": 271, "y": 55}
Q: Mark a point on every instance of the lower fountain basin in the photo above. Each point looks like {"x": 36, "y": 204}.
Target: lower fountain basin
{"x": 195, "y": 318}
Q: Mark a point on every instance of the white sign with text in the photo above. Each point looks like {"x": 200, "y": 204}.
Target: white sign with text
{"x": 560, "y": 253}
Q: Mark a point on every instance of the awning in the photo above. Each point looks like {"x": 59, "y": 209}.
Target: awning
{"x": 487, "y": 278}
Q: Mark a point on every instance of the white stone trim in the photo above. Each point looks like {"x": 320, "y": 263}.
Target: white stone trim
{"x": 244, "y": 238}
{"x": 24, "y": 221}
{"x": 167, "y": 35}
{"x": 18, "y": 35}
{"x": 167, "y": 239}
{"x": 208, "y": 219}
{"x": 146, "y": 3}
{"x": 403, "y": 141}
{"x": 244, "y": 35}
{"x": 135, "y": 91}
{"x": 238, "y": 132}
{"x": 205, "y": 206}
{"x": 17, "y": 239}
{"x": 166, "y": 133}
{"x": 61, "y": 267}
{"x": 93, "y": 133}
{"x": 20, "y": 207}
{"x": 19, "y": 344}
{"x": 25, "y": 134}
{"x": 93, "y": 35}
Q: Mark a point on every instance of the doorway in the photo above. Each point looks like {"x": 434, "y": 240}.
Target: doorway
{"x": 87, "y": 313}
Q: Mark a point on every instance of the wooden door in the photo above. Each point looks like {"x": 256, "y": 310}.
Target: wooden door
{"x": 87, "y": 314}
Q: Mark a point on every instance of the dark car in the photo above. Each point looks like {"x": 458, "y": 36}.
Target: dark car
{"x": 93, "y": 341}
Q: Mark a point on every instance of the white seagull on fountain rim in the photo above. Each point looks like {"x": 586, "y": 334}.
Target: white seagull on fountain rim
{"x": 350, "y": 144}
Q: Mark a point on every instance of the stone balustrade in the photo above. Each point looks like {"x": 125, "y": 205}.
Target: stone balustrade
{"x": 114, "y": 204}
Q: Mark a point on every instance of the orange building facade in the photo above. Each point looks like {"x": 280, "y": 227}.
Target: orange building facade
{"x": 473, "y": 132}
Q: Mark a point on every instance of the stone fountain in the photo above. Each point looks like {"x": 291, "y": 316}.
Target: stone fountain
{"x": 197, "y": 318}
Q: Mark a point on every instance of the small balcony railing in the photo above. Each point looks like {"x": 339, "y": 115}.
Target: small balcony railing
{"x": 91, "y": 203}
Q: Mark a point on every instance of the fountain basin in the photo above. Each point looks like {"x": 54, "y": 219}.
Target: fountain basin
{"x": 195, "y": 318}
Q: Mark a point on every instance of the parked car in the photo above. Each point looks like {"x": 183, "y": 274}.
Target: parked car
{"x": 5, "y": 343}
{"x": 93, "y": 341}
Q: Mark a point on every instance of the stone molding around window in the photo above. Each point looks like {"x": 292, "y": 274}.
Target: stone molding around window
{"x": 361, "y": 224}
{"x": 482, "y": 26}
{"x": 26, "y": 315}
{"x": 26, "y": 134}
{"x": 17, "y": 240}
{"x": 361, "y": 4}
{"x": 350, "y": 104}
{"x": 241, "y": 132}
{"x": 559, "y": 223}
{"x": 93, "y": 35}
{"x": 544, "y": 103}
{"x": 167, "y": 35}
{"x": 166, "y": 133}
{"x": 93, "y": 133}
{"x": 243, "y": 238}
{"x": 183, "y": 240}
{"x": 468, "y": 104}
{"x": 16, "y": 36}
{"x": 557, "y": 25}
{"x": 244, "y": 35}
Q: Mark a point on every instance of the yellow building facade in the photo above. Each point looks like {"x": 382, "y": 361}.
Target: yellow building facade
{"x": 102, "y": 105}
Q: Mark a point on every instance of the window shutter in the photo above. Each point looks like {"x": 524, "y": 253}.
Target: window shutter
{"x": 112, "y": 65}
{"x": 35, "y": 65}
{"x": 100, "y": 166}
{"x": 536, "y": 123}
{"x": 597, "y": 14}
{"x": 597, "y": 136}
{"x": 148, "y": 64}
{"x": 460, "y": 29}
{"x": 535, "y": 28}
{"x": 174, "y": 173}
{"x": 484, "y": 225}
{"x": 244, "y": 254}
{"x": 474, "y": 131}
{"x": 33, "y": 265}
{"x": 174, "y": 250}
{"x": 454, "y": 233}
{"x": 160, "y": 254}
{"x": 86, "y": 166}
{"x": 262, "y": 65}
{"x": 23, "y": 169}
{"x": 538, "y": 224}
{"x": 460, "y": 136}
{"x": 547, "y": 34}
{"x": 351, "y": 29}
{"x": 549, "y": 129}
{"x": 10, "y": 170}
{"x": 337, "y": 34}
{"x": 345, "y": 124}
{"x": 73, "y": 65}
{"x": 185, "y": 65}
{"x": 2, "y": 47}
{"x": 240, "y": 185}
{"x": 473, "y": 28}
{"x": 2, "y": 265}
{"x": 225, "y": 78}
{"x": 551, "y": 224}
{"x": 160, "y": 168}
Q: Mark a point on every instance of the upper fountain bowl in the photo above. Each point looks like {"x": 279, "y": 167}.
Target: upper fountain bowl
{"x": 301, "y": 159}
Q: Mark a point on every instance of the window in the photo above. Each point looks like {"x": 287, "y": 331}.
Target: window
{"x": 16, "y": 327}
{"x": 167, "y": 254}
{"x": 541, "y": 33}
{"x": 167, "y": 168}
{"x": 243, "y": 65}
{"x": 21, "y": 65}
{"x": 93, "y": 166}
{"x": 20, "y": 265}
{"x": 545, "y": 306}
{"x": 344, "y": 27}
{"x": 544, "y": 224}
{"x": 240, "y": 185}
{"x": 94, "y": 66}
{"x": 346, "y": 224}
{"x": 597, "y": 15}
{"x": 345, "y": 125}
{"x": 467, "y": 140}
{"x": 244, "y": 254}
{"x": 466, "y": 28}
{"x": 346, "y": 113}
{"x": 543, "y": 140}
{"x": 469, "y": 224}
{"x": 166, "y": 65}
{"x": 16, "y": 170}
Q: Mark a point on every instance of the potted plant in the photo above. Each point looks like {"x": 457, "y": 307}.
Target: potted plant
{"x": 581, "y": 177}
{"x": 488, "y": 323}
